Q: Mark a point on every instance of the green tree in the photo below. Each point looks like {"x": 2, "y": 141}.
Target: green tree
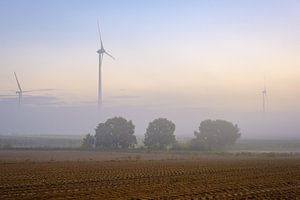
{"x": 88, "y": 142}
{"x": 160, "y": 134}
{"x": 216, "y": 134}
{"x": 103, "y": 135}
{"x": 115, "y": 133}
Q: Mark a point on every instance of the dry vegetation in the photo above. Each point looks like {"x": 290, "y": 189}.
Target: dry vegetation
{"x": 210, "y": 177}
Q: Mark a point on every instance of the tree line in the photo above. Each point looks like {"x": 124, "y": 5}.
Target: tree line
{"x": 118, "y": 133}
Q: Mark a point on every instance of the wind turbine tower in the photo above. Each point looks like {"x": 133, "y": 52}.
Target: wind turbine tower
{"x": 264, "y": 95}
{"x": 101, "y": 52}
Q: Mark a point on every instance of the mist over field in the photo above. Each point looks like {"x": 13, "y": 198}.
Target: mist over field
{"x": 60, "y": 119}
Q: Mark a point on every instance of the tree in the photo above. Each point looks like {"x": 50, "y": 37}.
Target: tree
{"x": 216, "y": 134}
{"x": 115, "y": 133}
{"x": 88, "y": 142}
{"x": 103, "y": 135}
{"x": 160, "y": 134}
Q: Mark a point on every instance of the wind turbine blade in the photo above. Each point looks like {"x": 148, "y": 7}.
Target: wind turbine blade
{"x": 109, "y": 55}
{"x": 99, "y": 34}
{"x": 18, "y": 82}
{"x": 7, "y": 90}
{"x": 9, "y": 95}
{"x": 38, "y": 90}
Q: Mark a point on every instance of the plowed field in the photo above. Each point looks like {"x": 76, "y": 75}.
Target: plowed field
{"x": 232, "y": 178}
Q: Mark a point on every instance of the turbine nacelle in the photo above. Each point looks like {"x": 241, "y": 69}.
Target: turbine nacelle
{"x": 101, "y": 51}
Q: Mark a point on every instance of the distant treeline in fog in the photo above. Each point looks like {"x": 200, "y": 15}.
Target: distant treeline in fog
{"x": 118, "y": 133}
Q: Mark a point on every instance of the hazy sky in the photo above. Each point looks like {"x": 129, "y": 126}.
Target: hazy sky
{"x": 209, "y": 57}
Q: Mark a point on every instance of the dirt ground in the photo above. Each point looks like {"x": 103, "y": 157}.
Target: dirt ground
{"x": 114, "y": 177}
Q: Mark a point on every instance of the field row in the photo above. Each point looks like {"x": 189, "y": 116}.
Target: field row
{"x": 176, "y": 179}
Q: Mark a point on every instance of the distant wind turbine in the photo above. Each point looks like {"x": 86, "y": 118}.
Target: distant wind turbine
{"x": 20, "y": 91}
{"x": 101, "y": 52}
{"x": 264, "y": 95}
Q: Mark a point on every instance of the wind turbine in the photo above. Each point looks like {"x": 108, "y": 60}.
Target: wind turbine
{"x": 264, "y": 95}
{"x": 20, "y": 91}
{"x": 101, "y": 52}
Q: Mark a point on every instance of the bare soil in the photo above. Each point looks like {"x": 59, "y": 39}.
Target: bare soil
{"x": 186, "y": 177}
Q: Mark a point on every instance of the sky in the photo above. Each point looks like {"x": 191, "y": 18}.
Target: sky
{"x": 184, "y": 60}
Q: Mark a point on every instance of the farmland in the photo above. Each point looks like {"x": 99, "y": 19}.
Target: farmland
{"x": 202, "y": 177}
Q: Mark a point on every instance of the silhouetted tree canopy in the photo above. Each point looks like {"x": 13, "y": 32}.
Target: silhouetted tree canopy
{"x": 115, "y": 133}
{"x": 160, "y": 134}
{"x": 215, "y": 134}
{"x": 88, "y": 142}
